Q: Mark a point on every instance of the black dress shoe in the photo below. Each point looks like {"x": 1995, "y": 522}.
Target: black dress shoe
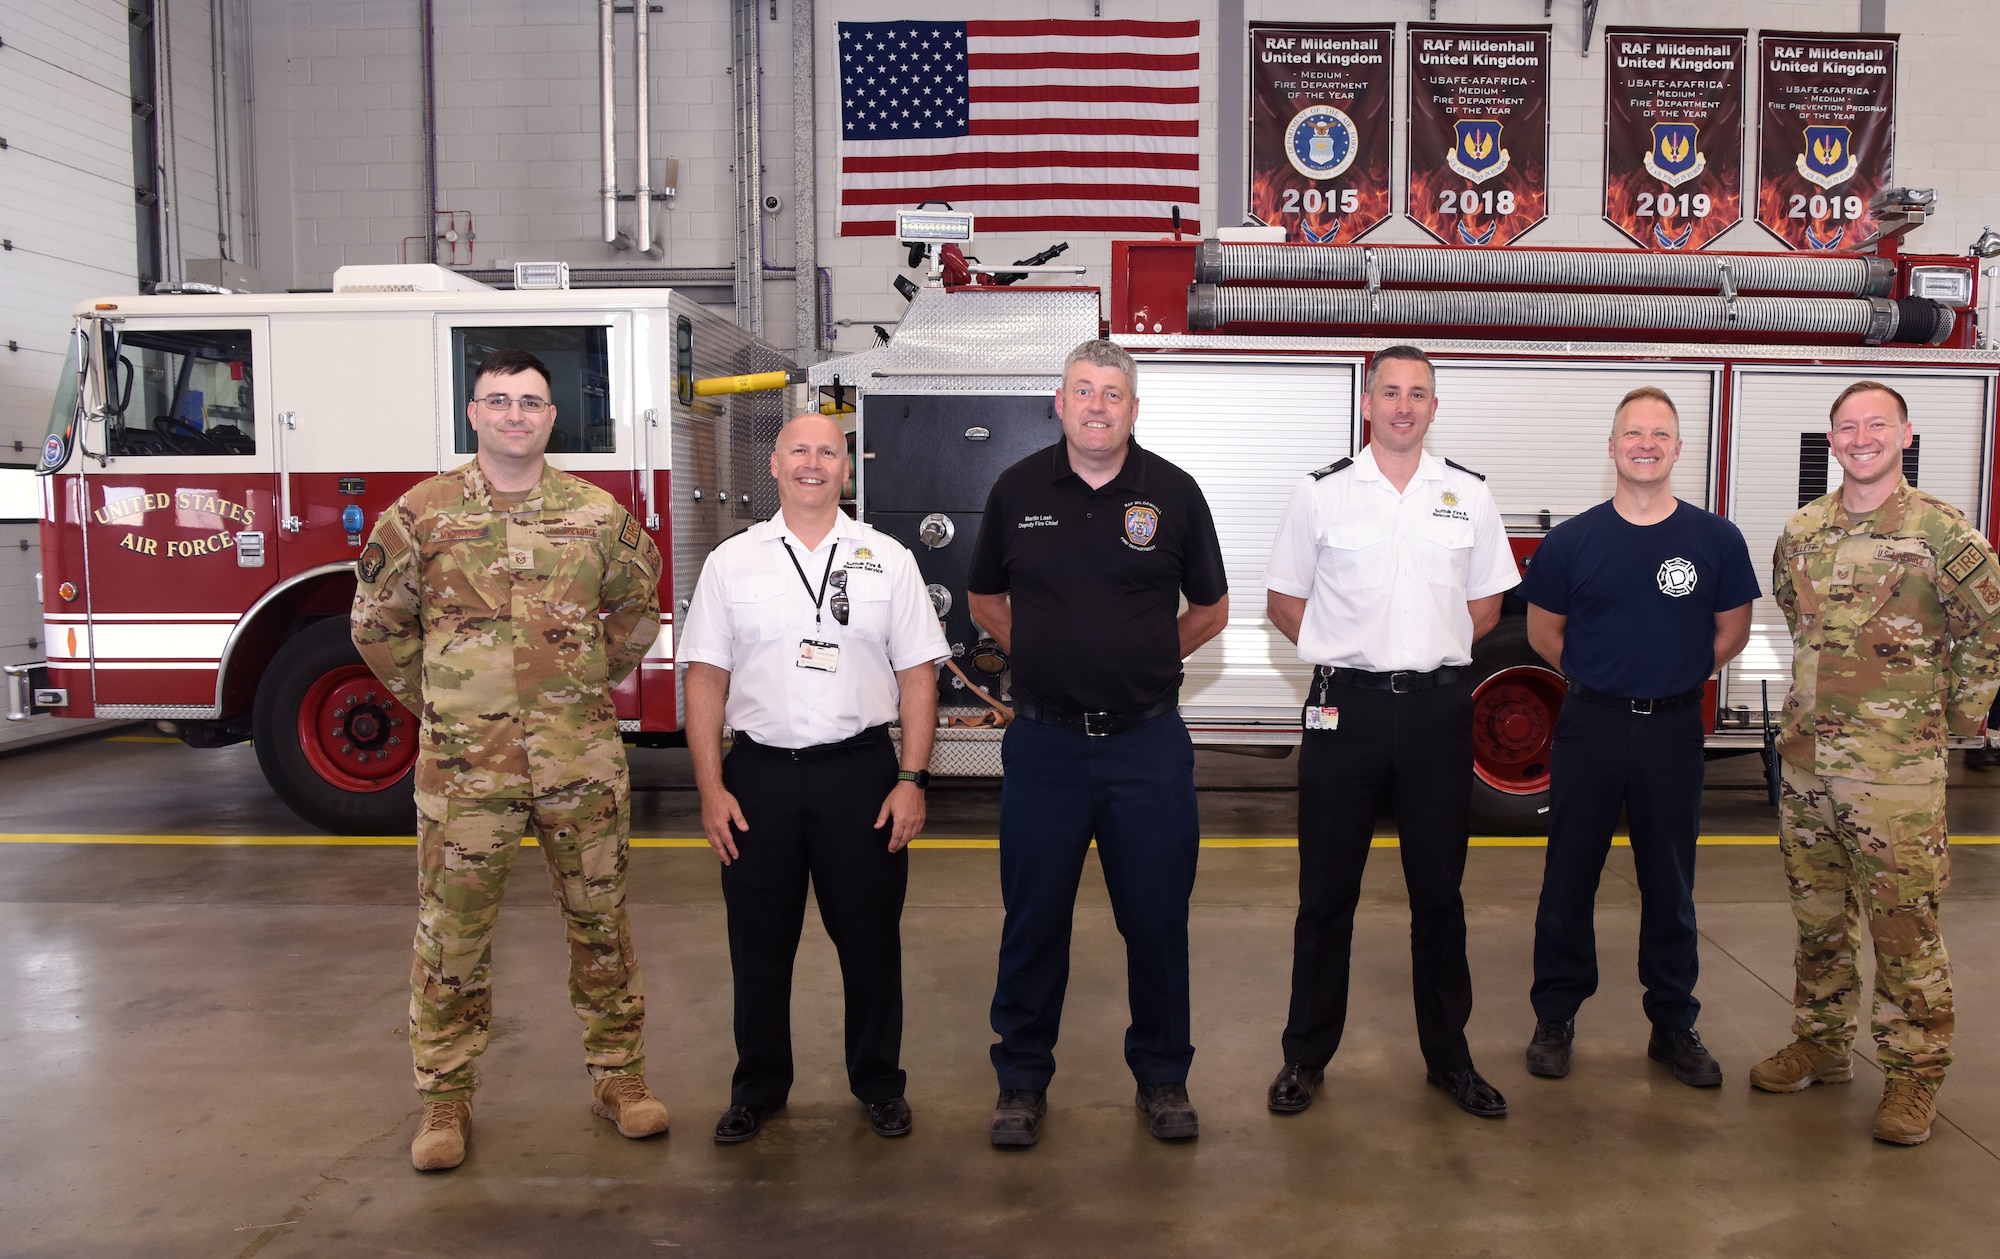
{"x": 889, "y": 1117}
{"x": 1548, "y": 1050}
{"x": 1017, "y": 1116}
{"x": 1681, "y": 1049}
{"x": 740, "y": 1123}
{"x": 1292, "y": 1091}
{"x": 1169, "y": 1114}
{"x": 1472, "y": 1093}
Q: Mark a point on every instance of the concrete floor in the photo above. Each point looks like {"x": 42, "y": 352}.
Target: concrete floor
{"x": 204, "y": 1056}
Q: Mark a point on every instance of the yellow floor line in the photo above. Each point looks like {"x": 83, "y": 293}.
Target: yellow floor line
{"x": 406, "y": 841}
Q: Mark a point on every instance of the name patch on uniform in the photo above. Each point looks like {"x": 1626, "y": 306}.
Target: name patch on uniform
{"x": 569, "y": 531}
{"x": 1961, "y": 566}
{"x": 369, "y": 566}
{"x": 461, "y": 533}
{"x": 629, "y": 535}
{"x": 1142, "y": 525}
{"x": 1037, "y": 522}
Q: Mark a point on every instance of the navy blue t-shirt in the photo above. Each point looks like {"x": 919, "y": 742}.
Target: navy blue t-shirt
{"x": 1641, "y": 599}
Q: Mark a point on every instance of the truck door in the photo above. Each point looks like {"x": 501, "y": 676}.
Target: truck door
{"x": 180, "y": 517}
{"x": 592, "y": 380}
{"x": 1780, "y": 463}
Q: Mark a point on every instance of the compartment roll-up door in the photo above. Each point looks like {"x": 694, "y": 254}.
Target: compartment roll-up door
{"x": 1779, "y": 425}
{"x": 1247, "y": 432}
{"x": 1538, "y": 430}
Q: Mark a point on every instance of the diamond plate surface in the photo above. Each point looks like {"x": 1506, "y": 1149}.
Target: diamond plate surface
{"x": 991, "y": 341}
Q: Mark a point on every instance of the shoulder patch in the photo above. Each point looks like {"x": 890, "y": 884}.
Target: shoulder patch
{"x": 1965, "y": 563}
{"x": 1462, "y": 468}
{"x": 629, "y": 535}
{"x": 1337, "y": 465}
{"x": 369, "y": 565}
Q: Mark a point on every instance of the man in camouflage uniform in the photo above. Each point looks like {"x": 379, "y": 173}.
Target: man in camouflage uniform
{"x": 503, "y": 601}
{"x": 1892, "y": 597}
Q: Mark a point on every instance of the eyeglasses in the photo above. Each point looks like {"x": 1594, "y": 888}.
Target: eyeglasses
{"x": 838, "y": 603}
{"x": 529, "y": 403}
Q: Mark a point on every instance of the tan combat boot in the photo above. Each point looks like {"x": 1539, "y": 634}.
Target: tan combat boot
{"x": 1908, "y": 1106}
{"x": 626, "y": 1101}
{"x": 441, "y": 1137}
{"x": 1800, "y": 1065}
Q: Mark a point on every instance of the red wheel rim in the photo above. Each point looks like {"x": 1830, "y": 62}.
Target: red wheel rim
{"x": 1514, "y": 728}
{"x": 354, "y": 733}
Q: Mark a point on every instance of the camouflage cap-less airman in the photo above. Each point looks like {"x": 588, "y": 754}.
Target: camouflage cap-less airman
{"x": 485, "y": 620}
{"x": 1897, "y": 642}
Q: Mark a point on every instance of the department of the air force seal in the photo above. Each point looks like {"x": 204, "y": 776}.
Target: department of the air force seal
{"x": 1321, "y": 142}
{"x": 1142, "y": 522}
{"x": 1677, "y": 577}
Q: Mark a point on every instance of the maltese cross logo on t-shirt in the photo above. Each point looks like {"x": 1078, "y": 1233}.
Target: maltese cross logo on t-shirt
{"x": 1677, "y": 577}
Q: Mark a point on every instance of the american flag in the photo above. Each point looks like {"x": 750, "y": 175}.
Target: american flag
{"x": 1041, "y": 126}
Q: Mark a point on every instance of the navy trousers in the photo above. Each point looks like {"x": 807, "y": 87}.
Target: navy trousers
{"x": 1651, "y": 766}
{"x": 1135, "y": 793}
{"x": 1415, "y": 750}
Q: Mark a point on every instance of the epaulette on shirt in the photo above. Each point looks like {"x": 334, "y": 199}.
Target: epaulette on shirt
{"x": 1332, "y": 468}
{"x": 1462, "y": 468}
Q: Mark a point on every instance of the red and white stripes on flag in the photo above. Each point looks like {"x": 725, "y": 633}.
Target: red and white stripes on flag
{"x": 1040, "y": 126}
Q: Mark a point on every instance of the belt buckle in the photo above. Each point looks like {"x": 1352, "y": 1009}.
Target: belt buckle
{"x": 1096, "y": 734}
{"x": 1643, "y": 707}
{"x": 1399, "y": 683}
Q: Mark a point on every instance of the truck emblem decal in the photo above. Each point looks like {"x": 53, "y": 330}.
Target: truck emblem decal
{"x": 370, "y": 564}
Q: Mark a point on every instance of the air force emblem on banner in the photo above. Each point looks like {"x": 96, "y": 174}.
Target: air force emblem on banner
{"x": 1477, "y": 155}
{"x": 1142, "y": 522}
{"x": 1321, "y": 142}
{"x": 1829, "y": 156}
{"x": 1676, "y": 156}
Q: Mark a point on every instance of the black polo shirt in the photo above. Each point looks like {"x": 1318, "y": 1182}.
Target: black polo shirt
{"x": 1095, "y": 577}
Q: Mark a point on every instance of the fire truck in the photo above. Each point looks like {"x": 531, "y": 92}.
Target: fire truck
{"x": 215, "y": 461}
{"x": 1251, "y": 359}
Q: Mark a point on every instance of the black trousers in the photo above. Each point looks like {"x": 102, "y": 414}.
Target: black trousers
{"x": 1606, "y": 759}
{"x": 1415, "y": 750}
{"x": 814, "y": 820}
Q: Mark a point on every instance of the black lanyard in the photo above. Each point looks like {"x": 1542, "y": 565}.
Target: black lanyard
{"x": 831, "y": 552}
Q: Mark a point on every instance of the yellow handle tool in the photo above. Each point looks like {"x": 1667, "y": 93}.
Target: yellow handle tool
{"x": 758, "y": 382}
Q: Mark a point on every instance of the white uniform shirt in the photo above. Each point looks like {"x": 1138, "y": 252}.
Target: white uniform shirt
{"x": 1386, "y": 575}
{"x": 751, "y": 611}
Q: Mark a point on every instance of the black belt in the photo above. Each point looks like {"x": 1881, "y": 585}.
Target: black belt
{"x": 1096, "y": 724}
{"x": 873, "y": 736}
{"x": 1643, "y": 707}
{"x": 1401, "y": 682}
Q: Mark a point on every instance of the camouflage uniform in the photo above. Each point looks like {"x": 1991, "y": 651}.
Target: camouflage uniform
{"x": 507, "y": 629}
{"x": 1896, "y": 643}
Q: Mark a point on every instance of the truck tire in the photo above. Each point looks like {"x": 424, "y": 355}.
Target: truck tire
{"x": 332, "y": 742}
{"x": 1515, "y": 699}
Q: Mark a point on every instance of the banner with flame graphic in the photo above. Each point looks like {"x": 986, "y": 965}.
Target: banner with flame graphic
{"x": 1673, "y": 134}
{"x": 1319, "y": 129}
{"x": 1826, "y": 138}
{"x": 1479, "y": 131}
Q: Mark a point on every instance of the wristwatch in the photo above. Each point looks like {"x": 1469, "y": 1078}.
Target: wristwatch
{"x": 921, "y": 777}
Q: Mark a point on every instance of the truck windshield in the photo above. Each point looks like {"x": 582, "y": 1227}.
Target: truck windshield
{"x": 62, "y": 414}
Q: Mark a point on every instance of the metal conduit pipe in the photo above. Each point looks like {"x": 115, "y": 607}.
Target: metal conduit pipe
{"x": 607, "y": 123}
{"x": 1219, "y": 263}
{"x": 642, "y": 120}
{"x": 1875, "y": 320}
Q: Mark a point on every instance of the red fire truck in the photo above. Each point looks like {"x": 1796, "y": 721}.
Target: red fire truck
{"x": 1251, "y": 359}
{"x": 215, "y": 461}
